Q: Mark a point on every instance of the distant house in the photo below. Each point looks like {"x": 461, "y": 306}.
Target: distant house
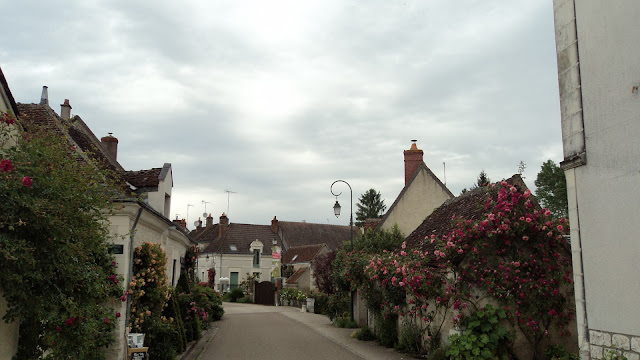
{"x": 422, "y": 193}
{"x": 135, "y": 220}
{"x": 300, "y": 259}
{"x": 599, "y": 82}
{"x": 231, "y": 248}
{"x": 235, "y": 250}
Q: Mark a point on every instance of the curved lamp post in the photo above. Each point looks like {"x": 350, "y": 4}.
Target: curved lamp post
{"x": 336, "y": 211}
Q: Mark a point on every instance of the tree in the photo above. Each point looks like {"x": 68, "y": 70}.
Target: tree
{"x": 482, "y": 180}
{"x": 552, "y": 189}
{"x": 375, "y": 242}
{"x": 370, "y": 206}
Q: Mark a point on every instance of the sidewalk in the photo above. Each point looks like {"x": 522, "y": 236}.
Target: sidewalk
{"x": 369, "y": 350}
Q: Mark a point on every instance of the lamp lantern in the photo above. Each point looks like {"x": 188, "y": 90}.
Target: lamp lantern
{"x": 336, "y": 208}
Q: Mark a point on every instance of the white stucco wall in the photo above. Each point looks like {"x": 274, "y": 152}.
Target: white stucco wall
{"x": 421, "y": 198}
{"x": 8, "y": 334}
{"x": 156, "y": 199}
{"x": 603, "y": 193}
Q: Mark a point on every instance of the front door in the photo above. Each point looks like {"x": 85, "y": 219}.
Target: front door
{"x": 233, "y": 280}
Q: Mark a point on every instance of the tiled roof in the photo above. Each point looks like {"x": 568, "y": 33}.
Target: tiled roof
{"x": 469, "y": 205}
{"x": 143, "y": 178}
{"x": 302, "y": 233}
{"x": 240, "y": 237}
{"x": 37, "y": 115}
{"x": 293, "y": 279}
{"x": 301, "y": 254}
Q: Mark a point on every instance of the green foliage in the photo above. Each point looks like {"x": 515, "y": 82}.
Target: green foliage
{"x": 375, "y": 242}
{"x": 552, "y": 189}
{"x": 481, "y": 181}
{"x": 438, "y": 354}
{"x": 210, "y": 300}
{"x": 387, "y": 329}
{"x": 161, "y": 340}
{"x": 171, "y": 313}
{"x": 411, "y": 338}
{"x": 370, "y": 206}
{"x": 338, "y": 305}
{"x": 56, "y": 272}
{"x": 235, "y": 294}
{"x": 365, "y": 334}
{"x": 345, "y": 322}
{"x": 558, "y": 352}
{"x": 613, "y": 354}
{"x": 483, "y": 338}
{"x": 183, "y": 285}
{"x": 320, "y": 305}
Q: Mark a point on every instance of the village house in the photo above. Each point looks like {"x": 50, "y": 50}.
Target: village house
{"x": 141, "y": 208}
{"x": 422, "y": 193}
{"x": 299, "y": 260}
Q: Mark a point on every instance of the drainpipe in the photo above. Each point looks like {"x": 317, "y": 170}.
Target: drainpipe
{"x": 131, "y": 236}
{"x": 578, "y": 269}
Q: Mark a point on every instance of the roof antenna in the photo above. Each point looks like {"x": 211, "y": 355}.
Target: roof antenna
{"x": 444, "y": 166}
{"x": 229, "y": 192}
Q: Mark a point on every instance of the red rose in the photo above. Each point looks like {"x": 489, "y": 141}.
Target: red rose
{"x": 5, "y": 165}
{"x": 26, "y": 181}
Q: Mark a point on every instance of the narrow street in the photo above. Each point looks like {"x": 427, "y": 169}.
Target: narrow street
{"x": 250, "y": 331}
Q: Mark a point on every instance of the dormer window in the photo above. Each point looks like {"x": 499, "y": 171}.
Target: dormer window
{"x": 256, "y": 249}
{"x": 256, "y": 258}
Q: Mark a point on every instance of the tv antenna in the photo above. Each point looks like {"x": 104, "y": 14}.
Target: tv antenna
{"x": 205, "y": 214}
{"x": 229, "y": 192}
{"x": 188, "y": 206}
{"x": 444, "y": 166}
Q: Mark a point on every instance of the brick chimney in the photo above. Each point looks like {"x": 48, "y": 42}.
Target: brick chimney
{"x": 110, "y": 143}
{"x": 182, "y": 222}
{"x": 65, "y": 110}
{"x": 209, "y": 220}
{"x": 274, "y": 225}
{"x": 199, "y": 226}
{"x": 44, "y": 98}
{"x": 224, "y": 224}
{"x": 412, "y": 160}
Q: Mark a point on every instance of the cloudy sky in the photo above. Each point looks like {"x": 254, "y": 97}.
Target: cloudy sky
{"x": 274, "y": 100}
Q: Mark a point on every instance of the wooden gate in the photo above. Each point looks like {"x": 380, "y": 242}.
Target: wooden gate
{"x": 265, "y": 292}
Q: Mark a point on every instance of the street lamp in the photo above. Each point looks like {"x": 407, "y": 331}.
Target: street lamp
{"x": 336, "y": 211}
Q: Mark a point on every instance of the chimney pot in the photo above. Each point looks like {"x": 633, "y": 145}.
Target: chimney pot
{"x": 412, "y": 160}
{"x": 44, "y": 98}
{"x": 65, "y": 110}
{"x": 110, "y": 143}
{"x": 224, "y": 224}
{"x": 209, "y": 220}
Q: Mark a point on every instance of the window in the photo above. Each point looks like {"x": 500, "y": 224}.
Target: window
{"x": 233, "y": 248}
{"x": 173, "y": 273}
{"x": 256, "y": 258}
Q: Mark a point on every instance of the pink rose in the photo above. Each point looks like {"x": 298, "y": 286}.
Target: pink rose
{"x": 26, "y": 181}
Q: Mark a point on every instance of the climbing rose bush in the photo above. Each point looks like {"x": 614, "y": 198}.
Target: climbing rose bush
{"x": 516, "y": 253}
{"x": 148, "y": 288}
{"x": 56, "y": 272}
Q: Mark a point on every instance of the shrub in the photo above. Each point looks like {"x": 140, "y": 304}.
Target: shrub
{"x": 161, "y": 339}
{"x": 57, "y": 274}
{"x": 483, "y": 337}
{"x": 387, "y": 329}
{"x": 365, "y": 334}
{"x": 320, "y": 305}
{"x": 235, "y": 294}
{"x": 209, "y": 300}
{"x": 345, "y": 322}
{"x": 338, "y": 305}
{"x": 558, "y": 352}
{"x": 411, "y": 338}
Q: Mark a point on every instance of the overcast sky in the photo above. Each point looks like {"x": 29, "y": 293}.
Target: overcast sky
{"x": 275, "y": 100}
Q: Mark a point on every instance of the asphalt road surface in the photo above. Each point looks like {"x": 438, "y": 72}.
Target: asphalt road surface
{"x": 266, "y": 333}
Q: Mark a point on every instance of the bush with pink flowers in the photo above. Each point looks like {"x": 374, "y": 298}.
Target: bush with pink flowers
{"x": 56, "y": 272}
{"x": 516, "y": 253}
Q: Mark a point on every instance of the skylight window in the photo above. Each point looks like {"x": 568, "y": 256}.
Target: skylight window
{"x": 233, "y": 248}
{"x": 294, "y": 257}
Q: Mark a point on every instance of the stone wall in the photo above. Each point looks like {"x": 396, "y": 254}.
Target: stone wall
{"x": 603, "y": 342}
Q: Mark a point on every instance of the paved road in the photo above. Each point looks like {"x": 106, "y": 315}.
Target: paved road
{"x": 250, "y": 331}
